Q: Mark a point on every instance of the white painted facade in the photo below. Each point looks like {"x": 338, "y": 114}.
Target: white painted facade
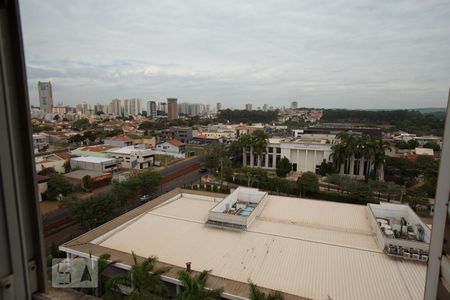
{"x": 305, "y": 154}
{"x": 133, "y": 158}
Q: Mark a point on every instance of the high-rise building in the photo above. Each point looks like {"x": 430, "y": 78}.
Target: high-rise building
{"x": 116, "y": 107}
{"x": 151, "y": 109}
{"x": 218, "y": 106}
{"x": 136, "y": 107}
{"x": 45, "y": 96}
{"x": 265, "y": 107}
{"x": 172, "y": 108}
{"x": 98, "y": 108}
{"x": 294, "y": 104}
{"x": 126, "y": 107}
{"x": 248, "y": 107}
{"x": 132, "y": 107}
{"x": 162, "y": 106}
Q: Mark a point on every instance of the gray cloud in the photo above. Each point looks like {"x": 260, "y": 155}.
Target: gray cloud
{"x": 354, "y": 54}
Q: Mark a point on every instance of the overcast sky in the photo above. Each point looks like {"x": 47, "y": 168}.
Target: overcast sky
{"x": 351, "y": 54}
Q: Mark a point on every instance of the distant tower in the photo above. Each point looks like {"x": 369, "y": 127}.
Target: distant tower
{"x": 294, "y": 104}
{"x": 116, "y": 107}
{"x": 265, "y": 107}
{"x": 45, "y": 96}
{"x": 172, "y": 108}
{"x": 248, "y": 107}
{"x": 151, "y": 109}
{"x": 219, "y": 106}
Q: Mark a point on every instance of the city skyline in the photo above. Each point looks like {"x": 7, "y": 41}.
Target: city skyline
{"x": 369, "y": 55}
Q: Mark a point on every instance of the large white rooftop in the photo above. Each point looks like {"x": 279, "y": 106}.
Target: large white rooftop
{"x": 93, "y": 159}
{"x": 128, "y": 150}
{"x": 310, "y": 248}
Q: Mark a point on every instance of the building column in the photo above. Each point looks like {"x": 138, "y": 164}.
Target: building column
{"x": 244, "y": 157}
{"x": 315, "y": 160}
{"x": 361, "y": 167}
{"x": 274, "y": 159}
{"x": 266, "y": 163}
{"x": 252, "y": 159}
{"x": 306, "y": 160}
{"x": 352, "y": 166}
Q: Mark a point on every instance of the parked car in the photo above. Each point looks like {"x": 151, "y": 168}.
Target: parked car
{"x": 145, "y": 198}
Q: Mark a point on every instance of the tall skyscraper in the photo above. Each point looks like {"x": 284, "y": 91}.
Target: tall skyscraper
{"x": 126, "y": 107}
{"x": 162, "y": 106}
{"x": 219, "y": 106}
{"x": 294, "y": 104}
{"x": 265, "y": 107}
{"x": 151, "y": 109}
{"x": 172, "y": 108}
{"x": 45, "y": 96}
{"x": 248, "y": 107}
{"x": 116, "y": 107}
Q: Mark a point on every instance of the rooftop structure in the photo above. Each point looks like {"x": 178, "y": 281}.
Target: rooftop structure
{"x": 238, "y": 210}
{"x": 307, "y": 249}
{"x": 94, "y": 163}
{"x": 399, "y": 231}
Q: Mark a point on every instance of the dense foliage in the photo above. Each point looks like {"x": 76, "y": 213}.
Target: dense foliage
{"x": 194, "y": 287}
{"x": 143, "y": 279}
{"x": 407, "y": 120}
{"x": 408, "y": 172}
{"x": 247, "y": 116}
{"x": 284, "y": 166}
{"x": 81, "y": 124}
{"x": 308, "y": 184}
{"x": 259, "y": 178}
{"x": 57, "y": 185}
{"x": 161, "y": 124}
{"x": 411, "y": 144}
{"x": 99, "y": 209}
{"x": 257, "y": 294}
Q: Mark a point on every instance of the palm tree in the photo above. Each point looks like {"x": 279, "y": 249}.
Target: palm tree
{"x": 351, "y": 144}
{"x": 245, "y": 142}
{"x": 259, "y": 143}
{"x": 102, "y": 264}
{"x": 194, "y": 288}
{"x": 379, "y": 150}
{"x": 338, "y": 157}
{"x": 256, "y": 294}
{"x": 143, "y": 280}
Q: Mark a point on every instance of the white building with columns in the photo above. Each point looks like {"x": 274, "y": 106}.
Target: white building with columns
{"x": 305, "y": 152}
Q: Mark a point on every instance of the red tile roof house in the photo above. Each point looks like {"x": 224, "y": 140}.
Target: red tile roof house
{"x": 172, "y": 146}
{"x": 119, "y": 141}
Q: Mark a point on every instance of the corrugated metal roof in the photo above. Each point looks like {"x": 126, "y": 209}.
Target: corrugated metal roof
{"x": 309, "y": 248}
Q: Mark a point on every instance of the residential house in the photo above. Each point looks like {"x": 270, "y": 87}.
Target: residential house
{"x": 172, "y": 146}
{"x": 133, "y": 157}
{"x": 119, "y": 141}
{"x": 98, "y": 164}
{"x": 40, "y": 142}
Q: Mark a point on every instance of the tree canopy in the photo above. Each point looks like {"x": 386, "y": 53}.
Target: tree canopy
{"x": 81, "y": 124}
{"x": 308, "y": 184}
{"x": 247, "y": 116}
{"x": 407, "y": 120}
{"x": 284, "y": 166}
{"x": 194, "y": 287}
{"x": 57, "y": 184}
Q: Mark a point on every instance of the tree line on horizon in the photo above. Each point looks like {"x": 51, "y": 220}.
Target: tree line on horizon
{"x": 411, "y": 121}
